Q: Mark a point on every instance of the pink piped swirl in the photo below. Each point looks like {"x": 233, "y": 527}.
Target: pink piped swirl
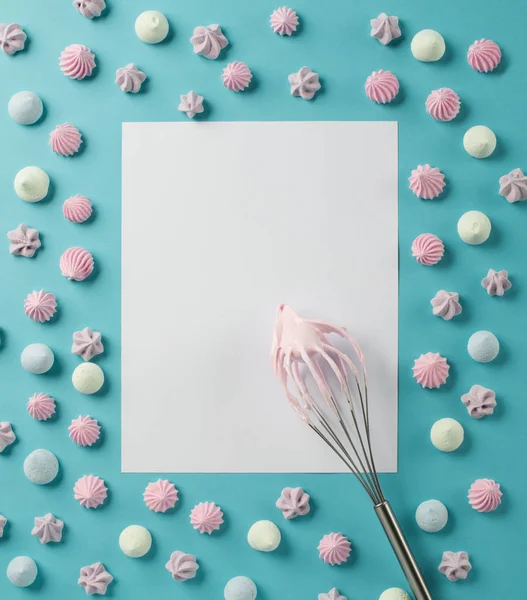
{"x": 446, "y": 305}
{"x": 443, "y": 104}
{"x": 84, "y": 431}
{"x": 77, "y": 61}
{"x": 182, "y": 566}
{"x": 76, "y": 263}
{"x": 382, "y": 86}
{"x": 293, "y": 502}
{"x": 40, "y": 306}
{"x": 496, "y": 282}
{"x": 90, "y": 491}
{"x": 129, "y": 78}
{"x": 427, "y": 249}
{"x": 484, "y": 55}
{"x": 65, "y": 140}
{"x": 334, "y": 548}
{"x": 480, "y": 401}
{"x": 455, "y": 565}
{"x": 485, "y": 495}
{"x": 77, "y": 209}
{"x": 206, "y": 517}
{"x": 431, "y": 370}
{"x": 12, "y": 38}
{"x": 41, "y": 407}
{"x": 284, "y": 21}
{"x": 160, "y": 495}
{"x": 427, "y": 182}
{"x": 513, "y": 186}
{"x": 90, "y": 8}
{"x": 236, "y": 76}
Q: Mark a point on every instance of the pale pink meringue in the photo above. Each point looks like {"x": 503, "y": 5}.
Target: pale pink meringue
{"x": 206, "y": 517}
{"x": 431, "y": 370}
{"x": 12, "y": 38}
{"x": 208, "y": 41}
{"x": 513, "y": 186}
{"x": 40, "y": 306}
{"x": 160, "y": 495}
{"x": 90, "y": 8}
{"x": 427, "y": 249}
{"x": 130, "y": 78}
{"x": 65, "y": 140}
{"x": 333, "y": 594}
{"x": 77, "y": 209}
{"x": 293, "y": 502}
{"x": 427, "y": 182}
{"x": 24, "y": 241}
{"x": 48, "y": 529}
{"x": 76, "y": 263}
{"x": 84, "y": 431}
{"x": 7, "y": 435}
{"x": 191, "y": 104}
{"x": 455, "y": 565}
{"x": 77, "y": 61}
{"x": 41, "y": 406}
{"x": 236, "y": 76}
{"x": 90, "y": 491}
{"x": 182, "y": 566}
{"x": 480, "y": 401}
{"x": 446, "y": 305}
{"x": 485, "y": 495}
{"x": 382, "y": 86}
{"x": 95, "y": 579}
{"x": 87, "y": 343}
{"x": 334, "y": 548}
{"x": 284, "y": 21}
{"x": 443, "y": 104}
{"x": 496, "y": 282}
{"x": 484, "y": 55}
{"x": 385, "y": 28}
{"x": 3, "y": 523}
{"x": 304, "y": 83}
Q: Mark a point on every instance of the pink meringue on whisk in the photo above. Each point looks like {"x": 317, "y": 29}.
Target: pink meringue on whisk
{"x": 382, "y": 86}
{"x": 443, "y": 104}
{"x": 334, "y": 548}
{"x": 431, "y": 370}
{"x": 427, "y": 182}
{"x": 77, "y": 61}
{"x": 484, "y": 55}
{"x": 65, "y": 140}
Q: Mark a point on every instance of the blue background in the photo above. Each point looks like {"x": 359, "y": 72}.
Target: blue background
{"x": 334, "y": 40}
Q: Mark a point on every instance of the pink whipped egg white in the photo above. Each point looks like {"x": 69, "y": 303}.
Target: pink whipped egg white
{"x": 95, "y": 579}
{"x": 23, "y": 241}
{"x": 284, "y": 21}
{"x": 7, "y": 435}
{"x": 480, "y": 401}
{"x": 48, "y": 529}
{"x": 84, "y": 431}
{"x": 182, "y": 566}
{"x": 65, "y": 140}
{"x": 443, "y": 104}
{"x": 130, "y": 79}
{"x": 427, "y": 182}
{"x": 304, "y": 83}
{"x": 76, "y": 264}
{"x": 90, "y": 491}
{"x": 431, "y": 370}
{"x": 293, "y": 502}
{"x": 206, "y": 517}
{"x": 455, "y": 565}
{"x": 90, "y": 8}
{"x": 334, "y": 549}
{"x": 77, "y": 61}
{"x": 160, "y": 495}
{"x": 77, "y": 209}
{"x": 41, "y": 407}
{"x": 191, "y": 104}
{"x": 513, "y": 186}
{"x": 446, "y": 305}
{"x": 3, "y": 523}
{"x": 208, "y": 41}
{"x": 484, "y": 55}
{"x": 40, "y": 306}
{"x": 427, "y": 249}
{"x": 496, "y": 282}
{"x": 385, "y": 28}
{"x": 87, "y": 343}
{"x": 485, "y": 495}
{"x": 236, "y": 76}
{"x": 382, "y": 86}
{"x": 12, "y": 38}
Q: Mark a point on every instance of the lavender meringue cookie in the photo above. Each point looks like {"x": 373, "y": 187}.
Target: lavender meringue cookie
{"x": 480, "y": 401}
{"x": 455, "y": 565}
{"x": 191, "y": 103}
{"x": 304, "y": 83}
{"x": 446, "y": 305}
{"x": 513, "y": 186}
{"x": 3, "y": 523}
{"x": 129, "y": 78}
{"x": 90, "y": 8}
{"x": 208, "y": 41}
{"x": 293, "y": 502}
{"x": 87, "y": 343}
{"x": 24, "y": 241}
{"x": 385, "y": 28}
{"x": 48, "y": 529}
{"x": 496, "y": 282}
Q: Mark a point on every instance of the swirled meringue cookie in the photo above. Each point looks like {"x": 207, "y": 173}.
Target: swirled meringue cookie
{"x": 25, "y": 108}
{"x": 483, "y": 346}
{"x": 191, "y": 104}
{"x": 284, "y": 21}
{"x": 40, "y": 306}
{"x": 76, "y": 263}
{"x": 77, "y": 209}
{"x": 446, "y": 305}
{"x": 208, "y": 41}
{"x": 333, "y": 594}
{"x": 41, "y": 407}
{"x": 31, "y": 184}
{"x": 385, "y": 28}
{"x": 7, "y": 435}
{"x": 447, "y": 435}
{"x": 513, "y": 186}
{"x": 160, "y": 495}
{"x": 455, "y": 565}
{"x": 151, "y": 27}
{"x": 443, "y": 104}
{"x": 236, "y": 76}
{"x": 484, "y": 55}
{"x": 23, "y": 241}
{"x": 480, "y": 401}
{"x": 84, "y": 431}
{"x": 484, "y": 495}
{"x": 206, "y": 517}
{"x": 94, "y": 579}
{"x": 427, "y": 182}
{"x": 90, "y": 8}
{"x": 334, "y": 549}
{"x": 12, "y": 38}
{"x": 382, "y": 86}
{"x": 293, "y": 502}
{"x": 65, "y": 140}
{"x": 479, "y": 141}
{"x": 496, "y": 282}
{"x": 427, "y": 249}
{"x": 129, "y": 78}
{"x": 87, "y": 343}
{"x": 304, "y": 83}
{"x": 3, "y": 523}
{"x": 474, "y": 227}
{"x": 77, "y": 61}
{"x": 428, "y": 45}
{"x": 48, "y": 529}
{"x": 182, "y": 566}
{"x": 90, "y": 491}
{"x": 431, "y": 370}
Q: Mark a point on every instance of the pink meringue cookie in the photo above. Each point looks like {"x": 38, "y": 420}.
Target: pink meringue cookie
{"x": 191, "y": 104}
{"x": 513, "y": 186}
{"x": 206, "y": 517}
{"x": 65, "y": 140}
{"x": 76, "y": 263}
{"x": 446, "y": 305}
{"x": 427, "y": 182}
{"x": 443, "y": 104}
{"x": 7, "y": 435}
{"x": 480, "y": 401}
{"x": 3, "y": 523}
{"x": 333, "y": 594}
{"x": 484, "y": 55}
{"x": 41, "y": 407}
{"x": 236, "y": 76}
{"x": 90, "y": 491}
{"x": 304, "y": 83}
{"x": 40, "y": 306}
{"x": 284, "y": 21}
{"x": 427, "y": 249}
{"x": 431, "y": 370}
{"x": 90, "y": 8}
{"x": 496, "y": 282}
{"x": 84, "y": 431}
{"x": 87, "y": 343}
{"x": 24, "y": 241}
{"x": 48, "y": 529}
{"x": 130, "y": 78}
{"x": 455, "y": 565}
{"x": 12, "y": 38}
{"x": 385, "y": 28}
{"x": 293, "y": 502}
{"x": 382, "y": 86}
{"x": 334, "y": 548}
{"x": 95, "y": 579}
{"x": 208, "y": 41}
{"x": 484, "y": 495}
{"x": 182, "y": 566}
{"x": 77, "y": 209}
{"x": 160, "y": 495}
{"x": 77, "y": 61}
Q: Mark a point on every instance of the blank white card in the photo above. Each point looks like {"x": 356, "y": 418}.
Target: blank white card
{"x": 221, "y": 222}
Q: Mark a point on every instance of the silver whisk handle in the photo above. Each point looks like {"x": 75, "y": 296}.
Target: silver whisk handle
{"x": 402, "y": 551}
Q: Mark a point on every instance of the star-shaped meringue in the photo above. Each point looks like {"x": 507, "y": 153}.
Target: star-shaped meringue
{"x": 304, "y": 83}
{"x": 333, "y": 594}
{"x": 87, "y": 343}
{"x": 191, "y": 103}
{"x": 385, "y": 28}
{"x": 24, "y": 241}
{"x": 455, "y": 565}
{"x": 48, "y": 529}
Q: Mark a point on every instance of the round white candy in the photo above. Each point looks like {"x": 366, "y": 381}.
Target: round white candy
{"x": 474, "y": 227}
{"x": 264, "y": 536}
{"x": 151, "y": 27}
{"x": 37, "y": 358}
{"x": 483, "y": 346}
{"x": 22, "y": 571}
{"x": 394, "y": 594}
{"x": 88, "y": 378}
{"x": 135, "y": 541}
{"x": 479, "y": 141}
{"x": 240, "y": 588}
{"x": 428, "y": 45}
{"x": 431, "y": 516}
{"x": 31, "y": 184}
{"x": 41, "y": 466}
{"x": 447, "y": 435}
{"x": 25, "y": 108}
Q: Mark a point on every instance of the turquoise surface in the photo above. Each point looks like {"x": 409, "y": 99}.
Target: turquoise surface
{"x": 334, "y": 40}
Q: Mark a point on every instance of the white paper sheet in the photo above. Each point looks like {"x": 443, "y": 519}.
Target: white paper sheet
{"x": 221, "y": 223}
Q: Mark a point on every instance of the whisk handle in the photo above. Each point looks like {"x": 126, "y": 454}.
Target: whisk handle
{"x": 402, "y": 551}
